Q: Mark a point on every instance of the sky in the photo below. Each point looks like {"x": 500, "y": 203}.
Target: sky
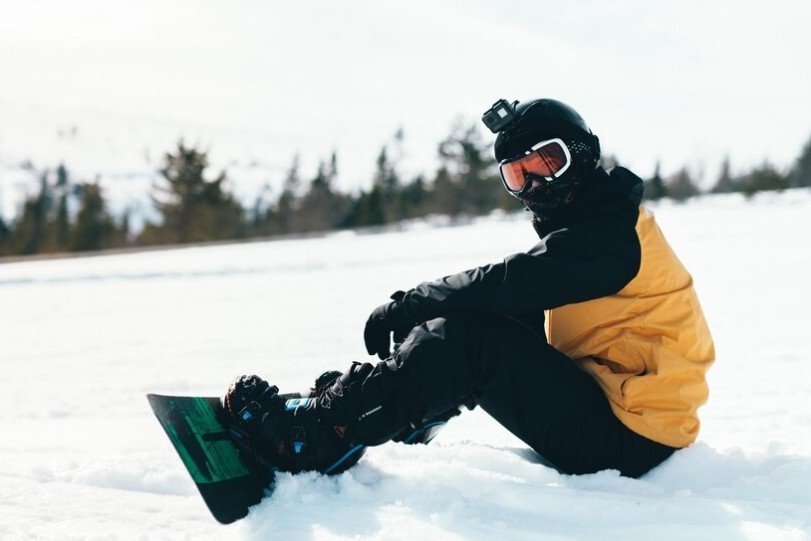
{"x": 110, "y": 86}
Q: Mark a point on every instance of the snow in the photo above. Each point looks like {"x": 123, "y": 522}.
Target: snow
{"x": 81, "y": 456}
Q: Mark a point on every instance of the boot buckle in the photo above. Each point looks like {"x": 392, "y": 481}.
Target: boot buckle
{"x": 298, "y": 437}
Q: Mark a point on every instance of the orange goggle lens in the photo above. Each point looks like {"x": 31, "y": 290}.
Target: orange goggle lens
{"x": 548, "y": 159}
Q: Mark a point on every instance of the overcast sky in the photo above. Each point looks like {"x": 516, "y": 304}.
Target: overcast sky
{"x": 684, "y": 82}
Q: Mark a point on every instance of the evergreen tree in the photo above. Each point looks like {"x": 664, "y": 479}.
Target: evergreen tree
{"x": 286, "y": 206}
{"x": 682, "y": 186}
{"x": 384, "y": 175}
{"x": 322, "y": 179}
{"x": 61, "y": 176}
{"x": 321, "y": 208}
{"x": 261, "y": 216}
{"x": 292, "y": 181}
{"x": 31, "y": 228}
{"x": 332, "y": 170}
{"x": 94, "y": 228}
{"x": 468, "y": 161}
{"x": 725, "y": 183}
{"x": 763, "y": 178}
{"x": 258, "y": 213}
{"x": 368, "y": 209}
{"x": 445, "y": 195}
{"x": 27, "y": 237}
{"x": 124, "y": 229}
{"x": 414, "y": 197}
{"x": 5, "y": 237}
{"x": 62, "y": 223}
{"x": 801, "y": 173}
{"x": 387, "y": 182}
{"x": 58, "y": 223}
{"x": 655, "y": 186}
{"x": 192, "y": 207}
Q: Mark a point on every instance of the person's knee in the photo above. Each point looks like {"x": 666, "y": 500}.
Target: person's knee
{"x": 429, "y": 338}
{"x": 469, "y": 334}
{"x": 470, "y": 325}
{"x": 452, "y": 332}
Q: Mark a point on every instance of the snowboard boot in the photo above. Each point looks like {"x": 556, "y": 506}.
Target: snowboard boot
{"x": 286, "y": 432}
{"x": 328, "y": 428}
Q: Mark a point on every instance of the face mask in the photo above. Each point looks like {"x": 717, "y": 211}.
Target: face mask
{"x": 550, "y": 201}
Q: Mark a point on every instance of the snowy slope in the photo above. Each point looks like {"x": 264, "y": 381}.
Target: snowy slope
{"x": 84, "y": 339}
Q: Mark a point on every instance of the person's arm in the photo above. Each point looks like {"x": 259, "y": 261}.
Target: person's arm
{"x": 563, "y": 268}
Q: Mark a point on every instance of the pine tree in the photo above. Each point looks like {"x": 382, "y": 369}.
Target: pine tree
{"x": 258, "y": 213}
{"x": 287, "y": 203}
{"x": 445, "y": 195}
{"x": 681, "y": 186}
{"x": 5, "y": 237}
{"x": 763, "y": 178}
{"x": 414, "y": 197}
{"x": 322, "y": 178}
{"x": 468, "y": 161}
{"x": 386, "y": 181}
{"x": 332, "y": 170}
{"x": 31, "y": 228}
{"x": 655, "y": 186}
{"x": 369, "y": 208}
{"x": 62, "y": 223}
{"x": 384, "y": 173}
{"x": 292, "y": 181}
{"x": 801, "y": 173}
{"x": 94, "y": 228}
{"x": 192, "y": 207}
{"x": 322, "y": 208}
{"x": 26, "y": 237}
{"x": 61, "y": 176}
{"x": 124, "y": 229}
{"x": 725, "y": 183}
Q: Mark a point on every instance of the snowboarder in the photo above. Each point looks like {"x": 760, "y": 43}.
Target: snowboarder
{"x": 591, "y": 347}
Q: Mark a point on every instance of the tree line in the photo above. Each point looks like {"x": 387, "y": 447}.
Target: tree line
{"x": 193, "y": 206}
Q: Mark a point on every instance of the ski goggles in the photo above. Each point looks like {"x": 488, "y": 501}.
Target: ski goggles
{"x": 548, "y": 159}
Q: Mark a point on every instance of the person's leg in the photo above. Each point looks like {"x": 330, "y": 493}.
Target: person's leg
{"x": 532, "y": 389}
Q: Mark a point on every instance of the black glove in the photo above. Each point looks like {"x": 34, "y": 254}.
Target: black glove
{"x": 392, "y": 317}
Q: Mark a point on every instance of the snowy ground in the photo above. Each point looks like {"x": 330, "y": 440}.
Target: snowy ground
{"x": 84, "y": 339}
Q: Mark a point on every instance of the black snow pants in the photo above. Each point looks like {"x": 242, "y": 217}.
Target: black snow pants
{"x": 510, "y": 370}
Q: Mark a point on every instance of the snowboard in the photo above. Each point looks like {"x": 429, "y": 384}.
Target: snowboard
{"x": 228, "y": 477}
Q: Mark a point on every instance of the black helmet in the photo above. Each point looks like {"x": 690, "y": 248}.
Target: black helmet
{"x": 541, "y": 119}
{"x": 520, "y": 126}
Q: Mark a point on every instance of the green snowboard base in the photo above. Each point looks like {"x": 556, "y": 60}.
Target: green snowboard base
{"x": 229, "y": 481}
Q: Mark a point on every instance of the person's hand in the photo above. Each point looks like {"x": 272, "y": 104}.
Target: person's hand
{"x": 392, "y": 317}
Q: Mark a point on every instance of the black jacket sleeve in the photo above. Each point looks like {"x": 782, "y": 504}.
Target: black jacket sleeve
{"x": 567, "y": 266}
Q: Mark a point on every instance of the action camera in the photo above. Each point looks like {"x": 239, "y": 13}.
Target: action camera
{"x": 500, "y": 115}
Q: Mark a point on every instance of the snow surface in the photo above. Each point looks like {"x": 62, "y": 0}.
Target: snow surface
{"x": 84, "y": 339}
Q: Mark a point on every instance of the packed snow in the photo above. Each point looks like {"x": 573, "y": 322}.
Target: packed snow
{"x": 84, "y": 339}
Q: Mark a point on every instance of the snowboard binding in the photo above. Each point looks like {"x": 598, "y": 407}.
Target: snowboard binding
{"x": 306, "y": 431}
{"x": 286, "y": 432}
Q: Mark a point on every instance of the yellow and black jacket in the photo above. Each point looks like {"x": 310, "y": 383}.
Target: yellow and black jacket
{"x": 617, "y": 300}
